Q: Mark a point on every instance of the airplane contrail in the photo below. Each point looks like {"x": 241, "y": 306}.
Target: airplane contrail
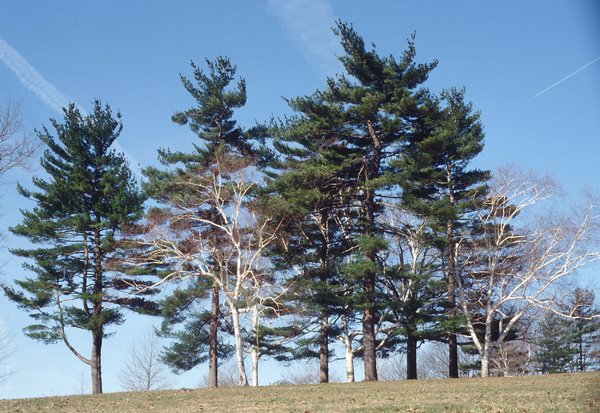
{"x": 568, "y": 76}
{"x": 33, "y": 81}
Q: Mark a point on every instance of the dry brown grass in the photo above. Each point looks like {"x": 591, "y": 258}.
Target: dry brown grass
{"x": 554, "y": 393}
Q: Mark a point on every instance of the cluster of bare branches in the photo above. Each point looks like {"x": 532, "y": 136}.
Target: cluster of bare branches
{"x": 143, "y": 369}
{"x": 228, "y": 250}
{"x": 16, "y": 147}
{"x": 513, "y": 264}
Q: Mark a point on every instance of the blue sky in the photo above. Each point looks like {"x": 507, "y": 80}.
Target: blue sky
{"x": 523, "y": 65}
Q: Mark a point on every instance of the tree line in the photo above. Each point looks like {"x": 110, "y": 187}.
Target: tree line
{"x": 358, "y": 220}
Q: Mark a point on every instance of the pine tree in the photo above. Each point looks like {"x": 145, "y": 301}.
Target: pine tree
{"x": 439, "y": 187}
{"x": 555, "y": 352}
{"x": 357, "y": 125}
{"x": 81, "y": 210}
{"x": 585, "y": 328}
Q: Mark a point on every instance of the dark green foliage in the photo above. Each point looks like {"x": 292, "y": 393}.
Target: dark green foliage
{"x": 344, "y": 138}
{"x": 570, "y": 343}
{"x": 556, "y": 351}
{"x": 190, "y": 345}
{"x": 438, "y": 185}
{"x": 82, "y": 208}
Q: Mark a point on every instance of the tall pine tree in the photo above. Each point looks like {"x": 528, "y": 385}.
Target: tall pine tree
{"x": 358, "y": 125}
{"x": 440, "y": 187}
{"x": 81, "y": 208}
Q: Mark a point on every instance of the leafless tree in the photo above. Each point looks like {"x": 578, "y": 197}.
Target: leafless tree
{"x": 142, "y": 369}
{"x": 513, "y": 265}
{"x": 16, "y": 147}
{"x": 392, "y": 369}
{"x": 230, "y": 253}
{"x": 7, "y": 349}
{"x": 228, "y": 376}
{"x": 303, "y": 373}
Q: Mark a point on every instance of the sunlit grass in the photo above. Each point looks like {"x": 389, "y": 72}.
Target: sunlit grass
{"x": 553, "y": 393}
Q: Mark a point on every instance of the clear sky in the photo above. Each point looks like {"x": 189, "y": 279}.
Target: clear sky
{"x": 531, "y": 67}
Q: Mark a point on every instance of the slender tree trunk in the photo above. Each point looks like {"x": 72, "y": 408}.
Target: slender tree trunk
{"x": 255, "y": 357}
{"x": 98, "y": 331}
{"x": 324, "y": 347}
{"x": 96, "y": 359}
{"x": 349, "y": 361}
{"x": 256, "y": 350}
{"x": 239, "y": 349}
{"x": 411, "y": 356}
{"x": 369, "y": 346}
{"x": 213, "y": 363}
{"x": 485, "y": 363}
{"x": 348, "y": 350}
{"x": 451, "y": 285}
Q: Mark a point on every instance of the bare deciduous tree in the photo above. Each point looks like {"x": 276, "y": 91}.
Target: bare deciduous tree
{"x": 513, "y": 265}
{"x": 230, "y": 253}
{"x": 142, "y": 369}
{"x": 7, "y": 349}
{"x": 16, "y": 147}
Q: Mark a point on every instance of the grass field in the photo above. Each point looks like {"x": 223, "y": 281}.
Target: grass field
{"x": 554, "y": 393}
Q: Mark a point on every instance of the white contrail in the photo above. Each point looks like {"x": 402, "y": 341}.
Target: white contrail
{"x": 568, "y": 76}
{"x": 31, "y": 78}
{"x": 46, "y": 91}
{"x": 308, "y": 25}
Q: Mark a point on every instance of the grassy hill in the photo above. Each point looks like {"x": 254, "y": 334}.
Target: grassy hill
{"x": 554, "y": 393}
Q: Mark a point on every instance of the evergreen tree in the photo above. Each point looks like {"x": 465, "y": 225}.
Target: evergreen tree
{"x": 304, "y": 196}
{"x": 585, "y": 329}
{"x": 439, "y": 187}
{"x": 358, "y": 124}
{"x": 555, "y": 346}
{"x": 81, "y": 210}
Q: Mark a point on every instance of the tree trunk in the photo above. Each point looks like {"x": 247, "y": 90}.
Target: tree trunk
{"x": 255, "y": 357}
{"x": 369, "y": 347}
{"x": 239, "y": 349}
{"x": 348, "y": 350}
{"x": 485, "y": 363}
{"x": 349, "y": 362}
{"x": 411, "y": 356}
{"x": 96, "y": 359}
{"x": 256, "y": 350}
{"x": 369, "y": 344}
{"x": 452, "y": 356}
{"x": 451, "y": 285}
{"x": 98, "y": 331}
{"x": 213, "y": 363}
{"x": 324, "y": 347}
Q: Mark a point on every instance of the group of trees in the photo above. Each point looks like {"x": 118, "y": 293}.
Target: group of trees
{"x": 358, "y": 220}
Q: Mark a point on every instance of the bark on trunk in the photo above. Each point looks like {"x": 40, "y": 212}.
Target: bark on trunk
{"x": 349, "y": 363}
{"x": 213, "y": 363}
{"x": 411, "y": 357}
{"x": 485, "y": 364}
{"x": 97, "y": 332}
{"x": 451, "y": 281}
{"x": 369, "y": 347}
{"x": 96, "y": 362}
{"x": 324, "y": 347}
{"x": 451, "y": 285}
{"x": 255, "y": 357}
{"x": 239, "y": 349}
